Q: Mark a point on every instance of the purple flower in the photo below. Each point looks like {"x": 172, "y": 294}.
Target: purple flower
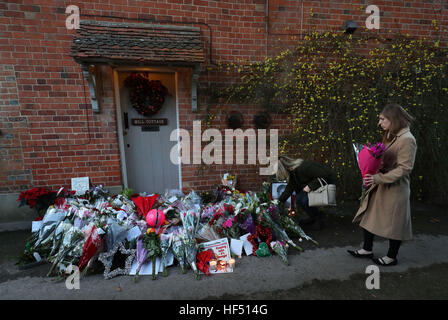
{"x": 248, "y": 224}
{"x": 141, "y": 252}
{"x": 142, "y": 255}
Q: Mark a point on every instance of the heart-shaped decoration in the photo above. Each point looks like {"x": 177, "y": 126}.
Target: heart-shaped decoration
{"x": 263, "y": 250}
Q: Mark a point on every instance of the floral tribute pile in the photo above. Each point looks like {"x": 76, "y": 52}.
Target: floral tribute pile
{"x": 96, "y": 231}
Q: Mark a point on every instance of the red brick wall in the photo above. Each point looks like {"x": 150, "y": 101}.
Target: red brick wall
{"x": 48, "y": 131}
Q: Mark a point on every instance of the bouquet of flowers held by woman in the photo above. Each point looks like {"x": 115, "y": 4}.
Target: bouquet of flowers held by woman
{"x": 369, "y": 159}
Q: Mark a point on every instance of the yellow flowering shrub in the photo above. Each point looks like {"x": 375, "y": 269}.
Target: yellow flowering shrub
{"x": 333, "y": 87}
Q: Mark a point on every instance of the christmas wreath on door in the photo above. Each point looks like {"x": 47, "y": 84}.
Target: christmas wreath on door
{"x": 147, "y": 96}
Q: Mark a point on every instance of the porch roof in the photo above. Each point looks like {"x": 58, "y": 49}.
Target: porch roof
{"x": 137, "y": 43}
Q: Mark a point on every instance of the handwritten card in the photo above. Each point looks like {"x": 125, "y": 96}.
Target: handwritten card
{"x": 221, "y": 252}
{"x": 80, "y": 185}
{"x": 236, "y": 246}
{"x": 248, "y": 248}
{"x": 219, "y": 247}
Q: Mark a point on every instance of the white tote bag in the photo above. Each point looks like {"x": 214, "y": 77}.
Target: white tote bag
{"x": 324, "y": 196}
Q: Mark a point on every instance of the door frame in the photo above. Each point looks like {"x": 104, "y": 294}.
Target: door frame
{"x": 116, "y": 82}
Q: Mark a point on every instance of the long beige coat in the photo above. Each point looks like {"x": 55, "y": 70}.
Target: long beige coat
{"x": 385, "y": 210}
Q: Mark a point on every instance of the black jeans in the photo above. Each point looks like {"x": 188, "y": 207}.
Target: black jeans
{"x": 302, "y": 201}
{"x": 394, "y": 245}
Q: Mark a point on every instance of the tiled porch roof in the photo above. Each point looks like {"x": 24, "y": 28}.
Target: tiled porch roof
{"x": 99, "y": 41}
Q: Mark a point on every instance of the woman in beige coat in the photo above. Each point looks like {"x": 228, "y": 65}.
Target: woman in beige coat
{"x": 385, "y": 211}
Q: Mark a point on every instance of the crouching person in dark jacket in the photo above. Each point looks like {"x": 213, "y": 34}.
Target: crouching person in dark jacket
{"x": 301, "y": 176}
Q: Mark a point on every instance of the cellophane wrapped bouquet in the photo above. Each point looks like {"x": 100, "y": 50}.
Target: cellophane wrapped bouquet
{"x": 369, "y": 158}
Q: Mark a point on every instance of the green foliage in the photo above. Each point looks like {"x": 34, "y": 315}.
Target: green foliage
{"x": 333, "y": 87}
{"x": 207, "y": 197}
{"x": 151, "y": 242}
{"x": 127, "y": 192}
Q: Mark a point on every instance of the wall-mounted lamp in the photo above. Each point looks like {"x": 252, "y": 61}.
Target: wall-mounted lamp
{"x": 350, "y": 26}
{"x": 194, "y": 89}
{"x": 93, "y": 77}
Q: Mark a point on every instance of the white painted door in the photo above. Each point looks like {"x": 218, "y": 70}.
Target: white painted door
{"x": 147, "y": 148}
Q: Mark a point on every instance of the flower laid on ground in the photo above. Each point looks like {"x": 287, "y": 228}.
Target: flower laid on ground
{"x": 144, "y": 204}
{"x": 151, "y": 242}
{"x": 165, "y": 244}
{"x": 207, "y": 197}
{"x": 281, "y": 248}
{"x": 128, "y": 193}
{"x": 37, "y": 198}
{"x": 281, "y": 232}
{"x": 91, "y": 247}
{"x": 190, "y": 246}
{"x": 179, "y": 251}
{"x": 293, "y": 228}
{"x": 71, "y": 248}
{"x": 202, "y": 261}
{"x": 190, "y": 221}
{"x": 95, "y": 193}
{"x": 141, "y": 257}
{"x": 245, "y": 221}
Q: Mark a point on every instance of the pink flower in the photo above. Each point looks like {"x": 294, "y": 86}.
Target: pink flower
{"x": 228, "y": 223}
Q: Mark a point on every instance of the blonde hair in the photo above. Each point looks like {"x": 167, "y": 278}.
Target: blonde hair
{"x": 285, "y": 166}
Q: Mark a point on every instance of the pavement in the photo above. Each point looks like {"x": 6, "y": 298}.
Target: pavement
{"x": 319, "y": 272}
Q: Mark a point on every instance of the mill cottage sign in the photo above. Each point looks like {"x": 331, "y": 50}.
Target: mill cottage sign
{"x": 149, "y": 122}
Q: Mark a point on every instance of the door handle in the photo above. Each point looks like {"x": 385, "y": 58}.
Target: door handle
{"x": 126, "y": 120}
